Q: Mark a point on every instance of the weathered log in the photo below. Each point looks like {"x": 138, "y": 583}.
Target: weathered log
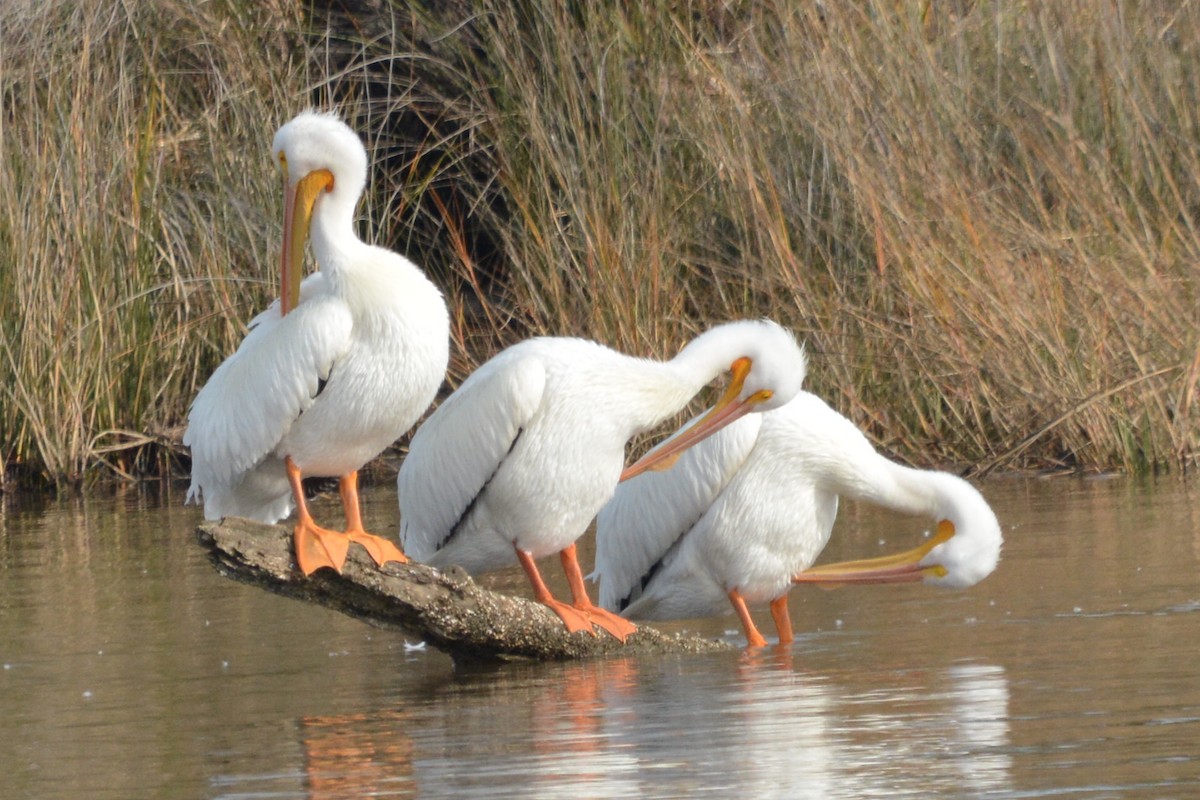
{"x": 448, "y": 610}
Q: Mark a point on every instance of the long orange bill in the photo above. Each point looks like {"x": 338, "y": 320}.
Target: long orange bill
{"x": 297, "y": 217}
{"x": 900, "y": 568}
{"x": 727, "y": 409}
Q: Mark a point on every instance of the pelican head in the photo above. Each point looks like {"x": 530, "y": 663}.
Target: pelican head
{"x": 963, "y": 550}
{"x": 971, "y": 546}
{"x": 319, "y": 155}
{"x": 767, "y": 368}
{"x": 770, "y": 370}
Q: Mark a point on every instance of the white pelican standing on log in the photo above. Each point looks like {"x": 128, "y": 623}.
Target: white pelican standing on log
{"x": 331, "y": 373}
{"x": 743, "y": 515}
{"x": 516, "y": 463}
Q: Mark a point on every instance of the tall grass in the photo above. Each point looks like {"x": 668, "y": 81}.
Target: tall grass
{"x": 984, "y": 221}
{"x": 982, "y": 217}
{"x": 132, "y": 226}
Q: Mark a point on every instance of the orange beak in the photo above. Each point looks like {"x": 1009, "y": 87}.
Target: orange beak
{"x": 901, "y": 568}
{"x": 297, "y": 217}
{"x": 727, "y": 409}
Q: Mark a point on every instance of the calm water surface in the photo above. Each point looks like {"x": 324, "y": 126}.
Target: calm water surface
{"x": 129, "y": 668}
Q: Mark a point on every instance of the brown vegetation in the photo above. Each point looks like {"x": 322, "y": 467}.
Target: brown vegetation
{"x": 983, "y": 219}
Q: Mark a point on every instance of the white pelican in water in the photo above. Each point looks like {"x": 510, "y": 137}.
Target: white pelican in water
{"x": 743, "y": 515}
{"x": 331, "y": 373}
{"x": 516, "y": 463}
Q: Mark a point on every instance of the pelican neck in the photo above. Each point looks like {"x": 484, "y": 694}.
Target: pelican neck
{"x": 333, "y": 235}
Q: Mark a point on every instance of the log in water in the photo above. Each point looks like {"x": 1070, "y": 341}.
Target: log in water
{"x": 446, "y": 609}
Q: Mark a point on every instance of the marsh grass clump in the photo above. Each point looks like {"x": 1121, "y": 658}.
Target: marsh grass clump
{"x": 983, "y": 219}
{"x": 132, "y": 223}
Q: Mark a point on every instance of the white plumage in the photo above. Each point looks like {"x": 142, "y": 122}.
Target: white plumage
{"x": 333, "y": 372}
{"x": 516, "y": 463}
{"x": 744, "y": 514}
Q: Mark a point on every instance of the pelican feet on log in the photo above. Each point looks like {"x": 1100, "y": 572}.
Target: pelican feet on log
{"x": 448, "y": 610}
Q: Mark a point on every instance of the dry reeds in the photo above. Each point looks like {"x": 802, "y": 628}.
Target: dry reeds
{"x": 982, "y": 217}
{"x": 132, "y": 223}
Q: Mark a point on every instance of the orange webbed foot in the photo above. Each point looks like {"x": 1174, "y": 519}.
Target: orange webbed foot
{"x": 755, "y": 639}
{"x": 380, "y": 550}
{"x": 317, "y": 547}
{"x": 619, "y": 627}
{"x": 572, "y": 617}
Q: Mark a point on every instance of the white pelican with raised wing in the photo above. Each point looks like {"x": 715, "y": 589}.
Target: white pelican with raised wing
{"x": 515, "y": 464}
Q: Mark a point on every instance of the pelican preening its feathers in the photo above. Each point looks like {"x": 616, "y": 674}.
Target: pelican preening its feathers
{"x": 331, "y": 373}
{"x": 515, "y": 464}
{"x": 745, "y": 513}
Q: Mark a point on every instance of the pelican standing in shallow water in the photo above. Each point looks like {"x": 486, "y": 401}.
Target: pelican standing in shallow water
{"x": 516, "y": 463}
{"x": 331, "y": 373}
{"x": 743, "y": 515}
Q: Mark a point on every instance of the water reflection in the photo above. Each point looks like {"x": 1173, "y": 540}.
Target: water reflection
{"x": 678, "y": 727}
{"x": 131, "y": 669}
{"x": 344, "y": 758}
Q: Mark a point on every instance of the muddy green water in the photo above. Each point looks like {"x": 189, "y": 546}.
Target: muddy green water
{"x": 129, "y": 668}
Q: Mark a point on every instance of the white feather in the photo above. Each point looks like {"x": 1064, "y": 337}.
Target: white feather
{"x": 753, "y": 506}
{"x": 370, "y": 332}
{"x": 252, "y": 400}
{"x": 471, "y": 489}
{"x": 649, "y": 515}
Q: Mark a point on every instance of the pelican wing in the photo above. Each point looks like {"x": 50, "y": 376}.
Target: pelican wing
{"x": 254, "y": 396}
{"x": 650, "y": 514}
{"x": 458, "y": 450}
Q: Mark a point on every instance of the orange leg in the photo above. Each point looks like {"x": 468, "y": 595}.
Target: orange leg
{"x": 316, "y": 547}
{"x": 753, "y": 637}
{"x": 617, "y": 626}
{"x": 783, "y": 620}
{"x": 381, "y": 550}
{"x": 571, "y": 617}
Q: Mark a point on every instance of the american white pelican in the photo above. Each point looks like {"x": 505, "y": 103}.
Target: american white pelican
{"x": 331, "y": 373}
{"x": 516, "y": 463}
{"x": 743, "y": 515}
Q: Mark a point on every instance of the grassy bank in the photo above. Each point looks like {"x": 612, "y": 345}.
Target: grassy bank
{"x": 984, "y": 223}
{"x": 133, "y": 219}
